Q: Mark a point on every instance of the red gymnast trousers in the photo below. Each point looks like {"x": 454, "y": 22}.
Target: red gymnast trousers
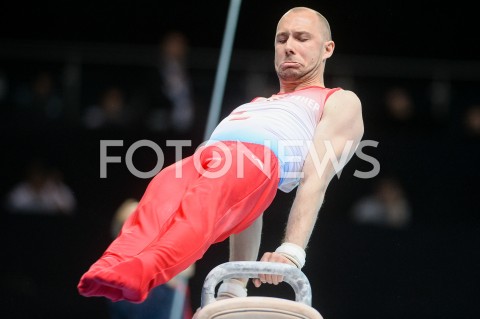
{"x": 179, "y": 218}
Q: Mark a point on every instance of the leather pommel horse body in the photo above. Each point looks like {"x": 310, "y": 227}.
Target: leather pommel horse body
{"x": 257, "y": 307}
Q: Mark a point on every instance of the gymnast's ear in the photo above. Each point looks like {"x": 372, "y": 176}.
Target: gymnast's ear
{"x": 328, "y": 48}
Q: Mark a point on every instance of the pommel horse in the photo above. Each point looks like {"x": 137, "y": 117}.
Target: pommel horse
{"x": 256, "y": 307}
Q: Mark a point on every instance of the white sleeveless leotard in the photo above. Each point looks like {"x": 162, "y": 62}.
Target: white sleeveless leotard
{"x": 285, "y": 123}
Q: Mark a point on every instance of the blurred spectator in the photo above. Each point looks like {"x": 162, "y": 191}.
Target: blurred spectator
{"x": 401, "y": 116}
{"x": 175, "y": 85}
{"x": 111, "y": 111}
{"x": 471, "y": 121}
{"x": 387, "y": 206}
{"x": 42, "y": 192}
{"x": 399, "y": 104}
{"x": 168, "y": 301}
{"x": 39, "y": 100}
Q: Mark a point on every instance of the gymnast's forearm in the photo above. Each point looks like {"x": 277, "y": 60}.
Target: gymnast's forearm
{"x": 245, "y": 246}
{"x": 304, "y": 212}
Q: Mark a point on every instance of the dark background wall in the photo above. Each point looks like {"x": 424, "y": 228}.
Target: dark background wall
{"x": 425, "y": 270}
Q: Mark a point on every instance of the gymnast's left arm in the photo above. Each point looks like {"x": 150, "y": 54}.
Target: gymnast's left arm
{"x": 336, "y": 138}
{"x": 244, "y": 246}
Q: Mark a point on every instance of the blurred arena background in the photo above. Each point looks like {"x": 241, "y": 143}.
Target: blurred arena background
{"x": 403, "y": 244}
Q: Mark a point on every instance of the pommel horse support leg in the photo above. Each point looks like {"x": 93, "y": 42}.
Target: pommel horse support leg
{"x": 257, "y": 307}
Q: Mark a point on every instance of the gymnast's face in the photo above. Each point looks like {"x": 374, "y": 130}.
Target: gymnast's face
{"x": 301, "y": 45}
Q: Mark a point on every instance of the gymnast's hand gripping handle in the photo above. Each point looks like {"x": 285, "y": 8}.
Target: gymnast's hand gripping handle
{"x": 251, "y": 269}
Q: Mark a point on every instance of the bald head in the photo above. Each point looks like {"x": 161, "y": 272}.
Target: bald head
{"x": 323, "y": 22}
{"x": 303, "y": 43}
